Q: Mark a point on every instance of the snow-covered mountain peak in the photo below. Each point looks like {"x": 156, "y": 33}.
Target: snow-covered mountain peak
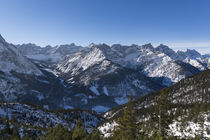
{"x": 147, "y": 46}
{"x": 48, "y": 47}
{"x": 2, "y": 39}
{"x": 101, "y": 72}
{"x": 101, "y": 46}
{"x": 67, "y": 49}
{"x": 12, "y": 60}
{"x": 116, "y": 45}
{"x": 29, "y": 48}
{"x": 189, "y": 53}
{"x": 72, "y": 44}
{"x": 168, "y": 51}
{"x": 192, "y": 53}
{"x": 164, "y": 48}
{"x": 81, "y": 61}
{"x": 48, "y": 53}
{"x": 91, "y": 45}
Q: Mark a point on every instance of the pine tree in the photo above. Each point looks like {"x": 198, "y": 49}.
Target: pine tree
{"x": 127, "y": 124}
{"x": 79, "y": 131}
{"x": 15, "y": 132}
{"x": 161, "y": 114}
{"x": 26, "y": 137}
{"x": 58, "y": 133}
{"x": 201, "y": 120}
{"x": 95, "y": 135}
{"x": 7, "y": 127}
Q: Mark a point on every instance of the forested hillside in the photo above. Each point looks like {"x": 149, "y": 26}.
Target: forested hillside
{"x": 180, "y": 111}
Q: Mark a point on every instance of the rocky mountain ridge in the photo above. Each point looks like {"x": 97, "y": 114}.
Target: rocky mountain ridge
{"x": 96, "y": 77}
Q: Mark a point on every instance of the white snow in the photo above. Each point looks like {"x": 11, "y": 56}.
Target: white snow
{"x": 100, "y": 109}
{"x": 12, "y": 60}
{"x": 2, "y": 112}
{"x": 40, "y": 97}
{"x": 121, "y": 100}
{"x": 46, "y": 57}
{"x": 81, "y": 95}
{"x": 106, "y": 91}
{"x": 68, "y": 107}
{"x": 84, "y": 100}
{"x": 43, "y": 81}
{"x": 46, "y": 106}
{"x": 73, "y": 63}
{"x": 41, "y": 117}
{"x": 90, "y": 97}
{"x": 191, "y": 129}
{"x": 38, "y": 94}
{"x": 160, "y": 63}
{"x": 107, "y": 128}
{"x": 94, "y": 90}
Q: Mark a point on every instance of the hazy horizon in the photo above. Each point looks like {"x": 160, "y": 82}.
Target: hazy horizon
{"x": 178, "y": 24}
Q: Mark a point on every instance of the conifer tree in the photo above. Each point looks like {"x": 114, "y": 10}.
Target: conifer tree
{"x": 26, "y": 137}
{"x": 15, "y": 132}
{"x": 7, "y": 127}
{"x": 95, "y": 135}
{"x": 161, "y": 114}
{"x": 58, "y": 133}
{"x": 79, "y": 131}
{"x": 127, "y": 127}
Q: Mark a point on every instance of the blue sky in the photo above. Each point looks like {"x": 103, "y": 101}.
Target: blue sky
{"x": 177, "y": 23}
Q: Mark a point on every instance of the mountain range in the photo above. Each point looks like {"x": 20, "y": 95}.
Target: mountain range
{"x": 46, "y": 86}
{"x": 98, "y": 77}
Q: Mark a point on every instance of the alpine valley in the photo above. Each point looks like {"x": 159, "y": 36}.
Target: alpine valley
{"x": 42, "y": 87}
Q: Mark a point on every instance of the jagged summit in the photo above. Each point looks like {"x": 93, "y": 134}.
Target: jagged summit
{"x": 12, "y": 60}
{"x": 1, "y": 38}
{"x": 168, "y": 51}
{"x": 48, "y": 53}
{"x": 101, "y": 46}
{"x": 192, "y": 53}
{"x": 90, "y": 77}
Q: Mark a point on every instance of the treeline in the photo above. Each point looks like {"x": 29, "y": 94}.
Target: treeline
{"x": 152, "y": 124}
{"x": 60, "y": 132}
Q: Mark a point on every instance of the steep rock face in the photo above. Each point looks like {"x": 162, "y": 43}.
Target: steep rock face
{"x": 96, "y": 77}
{"x": 67, "y": 49}
{"x": 166, "y": 50}
{"x": 189, "y": 53}
{"x": 145, "y": 59}
{"x": 80, "y": 61}
{"x": 153, "y": 62}
{"x": 23, "y": 81}
{"x": 103, "y": 76}
{"x": 106, "y": 82}
{"x": 48, "y": 53}
{"x": 12, "y": 60}
{"x": 29, "y": 48}
{"x": 157, "y": 62}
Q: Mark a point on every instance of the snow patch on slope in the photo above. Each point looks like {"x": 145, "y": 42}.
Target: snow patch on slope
{"x": 94, "y": 90}
{"x": 106, "y": 91}
{"x": 121, "y": 100}
{"x": 12, "y": 60}
{"x": 100, "y": 108}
